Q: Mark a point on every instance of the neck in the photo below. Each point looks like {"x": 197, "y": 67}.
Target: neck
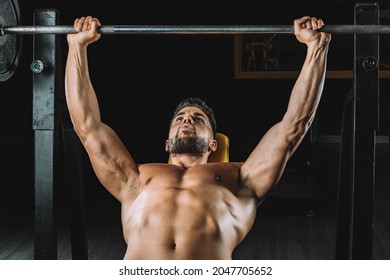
{"x": 189, "y": 160}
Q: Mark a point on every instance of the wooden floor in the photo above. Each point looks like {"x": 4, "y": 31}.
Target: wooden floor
{"x": 300, "y": 229}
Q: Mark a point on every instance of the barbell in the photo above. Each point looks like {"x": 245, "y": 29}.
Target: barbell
{"x": 11, "y": 43}
{"x": 195, "y": 29}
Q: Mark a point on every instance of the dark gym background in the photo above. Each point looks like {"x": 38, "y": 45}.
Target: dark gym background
{"x": 139, "y": 79}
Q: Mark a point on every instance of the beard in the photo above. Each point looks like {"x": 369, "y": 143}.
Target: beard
{"x": 187, "y": 145}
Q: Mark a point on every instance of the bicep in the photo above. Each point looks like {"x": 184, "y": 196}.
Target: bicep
{"x": 111, "y": 161}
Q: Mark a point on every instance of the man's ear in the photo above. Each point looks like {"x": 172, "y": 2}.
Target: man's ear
{"x": 213, "y": 145}
{"x": 166, "y": 146}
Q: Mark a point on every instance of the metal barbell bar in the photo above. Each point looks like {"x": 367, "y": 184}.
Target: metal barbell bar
{"x": 195, "y": 29}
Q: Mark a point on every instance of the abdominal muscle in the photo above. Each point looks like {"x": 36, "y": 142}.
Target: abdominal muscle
{"x": 186, "y": 222}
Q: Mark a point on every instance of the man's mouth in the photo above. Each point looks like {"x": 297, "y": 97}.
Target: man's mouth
{"x": 186, "y": 130}
{"x": 186, "y": 127}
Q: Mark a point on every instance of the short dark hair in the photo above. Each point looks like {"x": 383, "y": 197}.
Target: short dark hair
{"x": 201, "y": 104}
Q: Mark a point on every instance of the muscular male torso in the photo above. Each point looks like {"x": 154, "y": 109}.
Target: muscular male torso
{"x": 200, "y": 212}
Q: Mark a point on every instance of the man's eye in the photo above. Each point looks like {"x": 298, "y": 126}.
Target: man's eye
{"x": 179, "y": 119}
{"x": 198, "y": 119}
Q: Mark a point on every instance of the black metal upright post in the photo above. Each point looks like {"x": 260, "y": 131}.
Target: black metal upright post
{"x": 366, "y": 116}
{"x": 357, "y": 160}
{"x": 44, "y": 126}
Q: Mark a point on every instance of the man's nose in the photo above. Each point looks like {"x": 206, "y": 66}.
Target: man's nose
{"x": 187, "y": 119}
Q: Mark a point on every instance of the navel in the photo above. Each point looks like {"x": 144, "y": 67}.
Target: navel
{"x": 218, "y": 178}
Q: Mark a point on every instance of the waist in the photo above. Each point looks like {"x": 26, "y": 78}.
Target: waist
{"x": 178, "y": 244}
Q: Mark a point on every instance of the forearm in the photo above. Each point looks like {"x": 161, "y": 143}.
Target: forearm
{"x": 307, "y": 92}
{"x": 80, "y": 95}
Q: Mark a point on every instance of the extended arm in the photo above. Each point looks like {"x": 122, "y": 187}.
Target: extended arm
{"x": 265, "y": 165}
{"x": 110, "y": 159}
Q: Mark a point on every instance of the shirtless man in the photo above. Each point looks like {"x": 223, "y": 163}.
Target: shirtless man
{"x": 191, "y": 209}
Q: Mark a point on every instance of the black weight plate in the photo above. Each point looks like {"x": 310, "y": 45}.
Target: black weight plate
{"x": 10, "y": 44}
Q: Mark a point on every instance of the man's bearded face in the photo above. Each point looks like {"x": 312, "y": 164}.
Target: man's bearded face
{"x": 187, "y": 145}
